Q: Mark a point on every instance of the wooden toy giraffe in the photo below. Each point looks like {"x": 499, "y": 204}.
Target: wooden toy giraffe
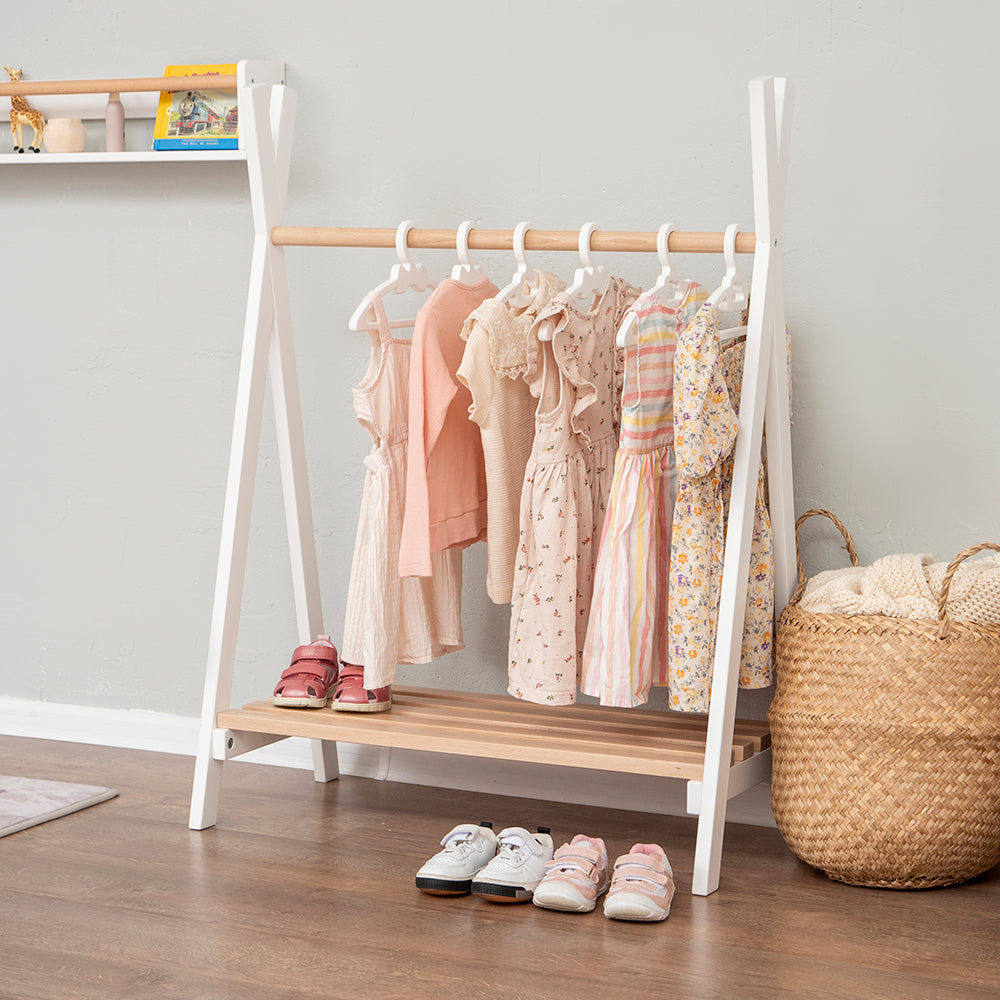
{"x": 21, "y": 114}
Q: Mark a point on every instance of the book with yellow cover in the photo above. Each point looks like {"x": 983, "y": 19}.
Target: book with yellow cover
{"x": 200, "y": 118}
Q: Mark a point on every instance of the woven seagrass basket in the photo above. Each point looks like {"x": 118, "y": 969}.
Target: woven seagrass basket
{"x": 886, "y": 741}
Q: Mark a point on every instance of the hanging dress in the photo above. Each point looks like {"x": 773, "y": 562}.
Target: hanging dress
{"x": 577, "y": 378}
{"x": 390, "y": 620}
{"x": 492, "y": 368}
{"x": 626, "y": 645}
{"x": 708, "y": 380}
{"x": 705, "y": 426}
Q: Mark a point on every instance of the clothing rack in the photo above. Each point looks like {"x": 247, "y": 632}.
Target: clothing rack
{"x": 717, "y": 755}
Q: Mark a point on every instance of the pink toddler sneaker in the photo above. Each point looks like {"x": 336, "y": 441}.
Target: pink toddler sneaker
{"x": 642, "y": 886}
{"x": 575, "y": 877}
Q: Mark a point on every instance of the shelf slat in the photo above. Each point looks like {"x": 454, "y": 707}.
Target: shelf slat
{"x": 665, "y": 744}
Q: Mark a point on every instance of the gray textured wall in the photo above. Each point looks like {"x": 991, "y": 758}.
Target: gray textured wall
{"x": 124, "y": 286}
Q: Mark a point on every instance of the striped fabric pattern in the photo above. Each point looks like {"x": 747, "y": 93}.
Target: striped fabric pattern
{"x": 626, "y": 646}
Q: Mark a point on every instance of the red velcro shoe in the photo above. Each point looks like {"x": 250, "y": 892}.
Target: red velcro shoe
{"x": 309, "y": 681}
{"x": 351, "y": 694}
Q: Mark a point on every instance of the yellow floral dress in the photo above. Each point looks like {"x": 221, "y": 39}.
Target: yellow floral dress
{"x": 707, "y": 382}
{"x": 705, "y": 425}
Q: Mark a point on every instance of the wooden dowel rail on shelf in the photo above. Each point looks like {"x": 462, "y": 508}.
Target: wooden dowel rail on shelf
{"x": 606, "y": 241}
{"x": 123, "y": 85}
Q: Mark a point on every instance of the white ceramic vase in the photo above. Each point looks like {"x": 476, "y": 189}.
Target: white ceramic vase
{"x": 65, "y": 135}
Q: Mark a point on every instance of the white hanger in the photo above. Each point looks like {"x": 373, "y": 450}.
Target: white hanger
{"x": 669, "y": 287}
{"x": 405, "y": 276}
{"x": 465, "y": 270}
{"x": 519, "y": 293}
{"x": 732, "y": 295}
{"x": 590, "y": 279}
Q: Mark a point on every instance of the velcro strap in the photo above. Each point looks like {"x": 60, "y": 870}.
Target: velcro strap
{"x": 324, "y": 654}
{"x": 633, "y": 867}
{"x": 295, "y": 670}
{"x": 582, "y": 858}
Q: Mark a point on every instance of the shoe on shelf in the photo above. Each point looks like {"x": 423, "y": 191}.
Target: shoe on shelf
{"x": 351, "y": 695}
{"x": 575, "y": 877}
{"x": 466, "y": 850}
{"x": 518, "y": 867}
{"x": 308, "y": 682}
{"x": 642, "y": 885}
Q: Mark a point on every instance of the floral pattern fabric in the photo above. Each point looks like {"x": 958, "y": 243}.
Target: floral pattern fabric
{"x": 577, "y": 379}
{"x": 707, "y": 386}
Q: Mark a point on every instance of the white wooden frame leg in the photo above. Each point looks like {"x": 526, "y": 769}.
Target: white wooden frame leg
{"x": 266, "y": 115}
{"x": 770, "y": 109}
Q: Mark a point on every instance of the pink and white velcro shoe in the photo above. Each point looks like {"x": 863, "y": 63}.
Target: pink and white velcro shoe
{"x": 575, "y": 877}
{"x": 642, "y": 886}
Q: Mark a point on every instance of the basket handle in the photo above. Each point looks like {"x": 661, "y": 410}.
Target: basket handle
{"x": 849, "y": 547}
{"x": 946, "y": 581}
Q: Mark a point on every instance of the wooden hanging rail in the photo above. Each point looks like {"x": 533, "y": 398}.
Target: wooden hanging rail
{"x": 125, "y": 85}
{"x": 625, "y": 241}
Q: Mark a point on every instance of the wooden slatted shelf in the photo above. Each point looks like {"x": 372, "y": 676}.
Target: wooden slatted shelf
{"x": 636, "y": 741}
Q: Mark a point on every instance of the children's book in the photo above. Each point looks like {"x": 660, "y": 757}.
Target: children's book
{"x": 200, "y": 118}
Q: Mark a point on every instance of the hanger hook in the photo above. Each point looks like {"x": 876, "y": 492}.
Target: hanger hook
{"x": 402, "y": 231}
{"x": 586, "y": 231}
{"x": 662, "y": 247}
{"x": 729, "y": 253}
{"x": 520, "y": 231}
{"x": 462, "y": 242}
{"x": 729, "y": 247}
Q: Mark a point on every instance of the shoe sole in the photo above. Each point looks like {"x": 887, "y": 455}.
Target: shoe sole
{"x": 300, "y": 702}
{"x": 443, "y": 886}
{"x": 497, "y": 892}
{"x": 562, "y": 898}
{"x": 633, "y": 906}
{"x": 372, "y": 706}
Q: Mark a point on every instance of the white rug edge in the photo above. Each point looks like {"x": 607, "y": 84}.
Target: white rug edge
{"x": 71, "y": 807}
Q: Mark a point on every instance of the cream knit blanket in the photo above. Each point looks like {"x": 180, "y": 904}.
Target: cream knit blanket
{"x": 908, "y": 586}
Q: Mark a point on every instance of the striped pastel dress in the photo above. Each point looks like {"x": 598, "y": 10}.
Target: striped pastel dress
{"x": 625, "y": 651}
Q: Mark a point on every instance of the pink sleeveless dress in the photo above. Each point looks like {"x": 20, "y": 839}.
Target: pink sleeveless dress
{"x": 390, "y": 620}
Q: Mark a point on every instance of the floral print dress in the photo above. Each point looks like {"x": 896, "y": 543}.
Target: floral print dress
{"x": 577, "y": 379}
{"x": 705, "y": 425}
{"x": 708, "y": 379}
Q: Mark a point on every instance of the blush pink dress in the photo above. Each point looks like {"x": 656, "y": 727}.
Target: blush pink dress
{"x": 391, "y": 620}
{"x": 577, "y": 378}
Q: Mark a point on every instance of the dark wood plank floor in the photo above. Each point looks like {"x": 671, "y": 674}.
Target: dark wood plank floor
{"x": 306, "y": 890}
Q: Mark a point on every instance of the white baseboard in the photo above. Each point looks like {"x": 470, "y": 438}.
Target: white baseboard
{"x": 162, "y": 733}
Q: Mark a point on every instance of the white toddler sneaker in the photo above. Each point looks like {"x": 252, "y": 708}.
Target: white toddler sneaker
{"x": 466, "y": 850}
{"x": 519, "y": 865}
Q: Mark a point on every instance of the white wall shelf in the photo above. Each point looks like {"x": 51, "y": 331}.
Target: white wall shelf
{"x": 148, "y": 156}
